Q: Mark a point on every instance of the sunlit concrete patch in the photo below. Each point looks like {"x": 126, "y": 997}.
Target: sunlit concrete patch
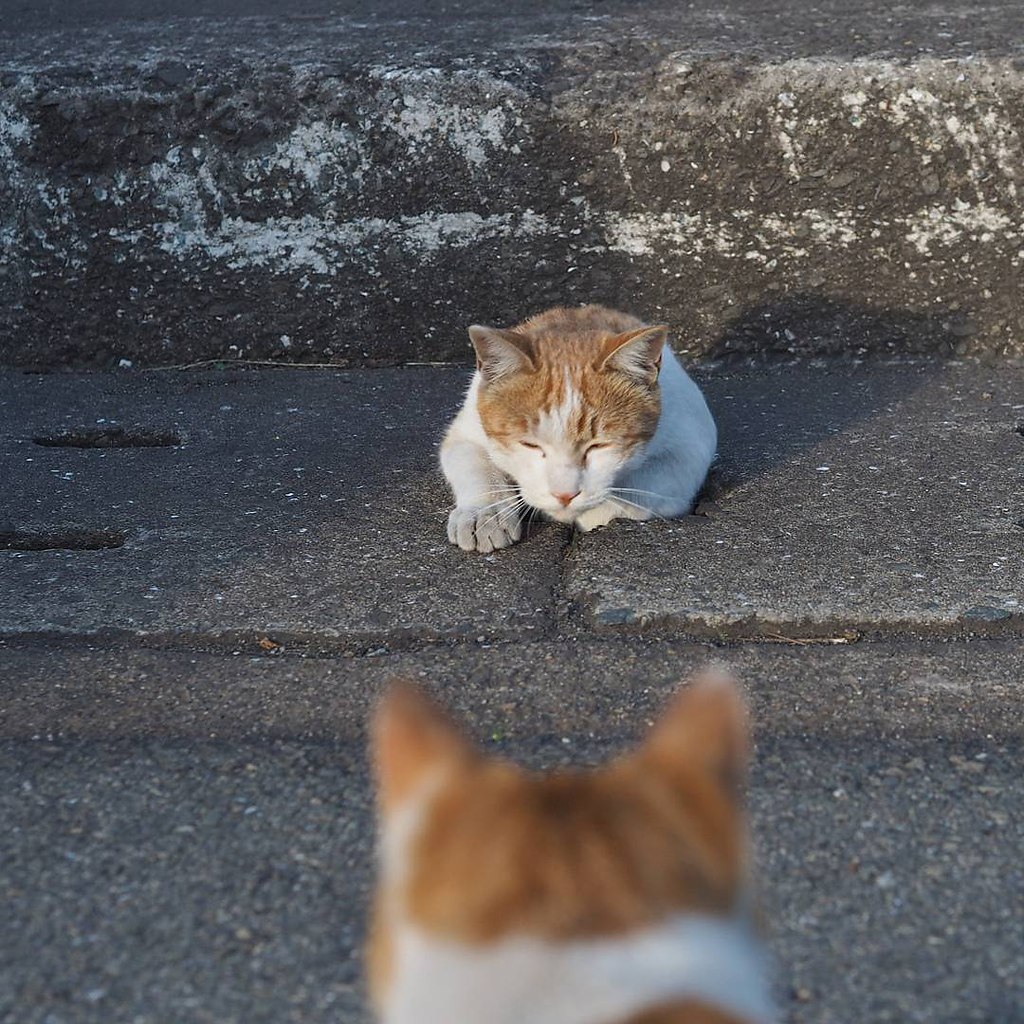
{"x": 323, "y": 246}
{"x": 875, "y": 499}
{"x": 15, "y": 129}
{"x": 803, "y": 234}
{"x": 964, "y": 222}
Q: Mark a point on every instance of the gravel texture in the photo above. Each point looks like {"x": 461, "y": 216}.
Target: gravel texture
{"x": 193, "y": 839}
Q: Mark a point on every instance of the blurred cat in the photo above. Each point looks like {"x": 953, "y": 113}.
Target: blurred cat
{"x": 584, "y": 414}
{"x": 616, "y": 895}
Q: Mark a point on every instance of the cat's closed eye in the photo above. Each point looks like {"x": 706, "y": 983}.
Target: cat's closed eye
{"x": 532, "y": 446}
{"x": 596, "y": 446}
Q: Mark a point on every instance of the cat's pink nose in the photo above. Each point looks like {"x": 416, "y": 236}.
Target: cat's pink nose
{"x": 565, "y": 499}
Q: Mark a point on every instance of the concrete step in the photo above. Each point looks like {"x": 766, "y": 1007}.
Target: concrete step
{"x": 872, "y": 499}
{"x": 191, "y": 835}
{"x": 304, "y": 506}
{"x": 766, "y": 178}
{"x": 520, "y": 694}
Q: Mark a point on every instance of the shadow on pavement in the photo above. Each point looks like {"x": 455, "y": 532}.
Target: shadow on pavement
{"x": 770, "y": 407}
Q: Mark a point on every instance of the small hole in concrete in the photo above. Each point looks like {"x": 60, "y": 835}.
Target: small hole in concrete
{"x": 1019, "y": 429}
{"x": 68, "y": 539}
{"x": 110, "y": 437}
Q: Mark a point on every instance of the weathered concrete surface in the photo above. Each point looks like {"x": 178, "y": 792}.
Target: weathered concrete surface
{"x": 152, "y": 873}
{"x": 300, "y": 503}
{"x": 878, "y": 498}
{"x": 306, "y": 506}
{"x": 200, "y": 187}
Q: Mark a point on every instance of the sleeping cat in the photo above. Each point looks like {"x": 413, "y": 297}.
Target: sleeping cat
{"x": 584, "y": 414}
{"x": 616, "y": 895}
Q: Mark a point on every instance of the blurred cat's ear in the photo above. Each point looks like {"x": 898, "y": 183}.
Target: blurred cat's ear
{"x": 705, "y": 730}
{"x": 501, "y": 353}
{"x": 636, "y": 353}
{"x": 412, "y": 737}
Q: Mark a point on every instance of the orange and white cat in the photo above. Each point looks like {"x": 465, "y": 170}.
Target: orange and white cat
{"x": 584, "y": 414}
{"x": 617, "y": 895}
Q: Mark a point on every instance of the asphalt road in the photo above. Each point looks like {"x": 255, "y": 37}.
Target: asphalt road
{"x": 190, "y": 837}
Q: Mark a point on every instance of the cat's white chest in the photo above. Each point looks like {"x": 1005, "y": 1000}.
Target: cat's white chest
{"x": 602, "y": 981}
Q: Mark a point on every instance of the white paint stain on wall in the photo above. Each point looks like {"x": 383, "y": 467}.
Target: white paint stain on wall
{"x": 432, "y": 232}
{"x": 199, "y": 209}
{"x": 804, "y": 234}
{"x": 426, "y": 116}
{"x": 645, "y": 234}
{"x": 40, "y": 210}
{"x": 787, "y": 131}
{"x": 323, "y": 245}
{"x": 15, "y": 129}
{"x": 945, "y": 226}
{"x": 473, "y": 133}
{"x": 316, "y": 154}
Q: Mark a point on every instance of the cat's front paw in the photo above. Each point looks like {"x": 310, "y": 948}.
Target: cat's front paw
{"x": 603, "y": 514}
{"x": 599, "y": 515}
{"x": 475, "y": 529}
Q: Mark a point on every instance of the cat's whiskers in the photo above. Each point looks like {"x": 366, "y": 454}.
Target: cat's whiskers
{"x": 507, "y": 513}
{"x": 619, "y": 500}
{"x": 637, "y": 490}
{"x": 509, "y": 489}
{"x": 498, "y": 503}
{"x": 447, "y": 510}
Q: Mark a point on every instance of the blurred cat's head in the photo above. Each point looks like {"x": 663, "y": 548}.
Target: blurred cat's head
{"x": 602, "y": 896}
{"x": 567, "y": 401}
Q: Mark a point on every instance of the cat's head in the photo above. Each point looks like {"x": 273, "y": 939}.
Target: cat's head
{"x": 564, "y": 416}
{"x": 492, "y": 876}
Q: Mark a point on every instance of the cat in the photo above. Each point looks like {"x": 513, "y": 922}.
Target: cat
{"x": 615, "y": 895}
{"x": 584, "y": 414}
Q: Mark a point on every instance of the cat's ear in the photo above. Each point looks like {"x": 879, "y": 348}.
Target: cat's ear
{"x": 413, "y": 738}
{"x": 635, "y": 353}
{"x": 501, "y": 353}
{"x": 704, "y": 730}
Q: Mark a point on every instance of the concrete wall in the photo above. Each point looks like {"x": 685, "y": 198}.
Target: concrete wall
{"x": 172, "y": 210}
